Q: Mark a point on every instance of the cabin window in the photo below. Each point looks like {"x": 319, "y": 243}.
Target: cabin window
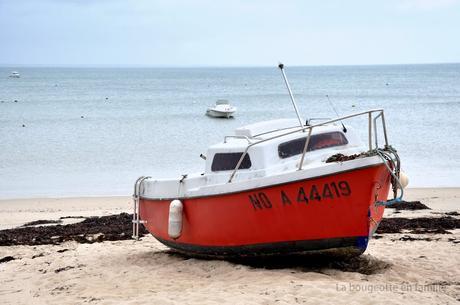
{"x": 228, "y": 161}
{"x": 318, "y": 141}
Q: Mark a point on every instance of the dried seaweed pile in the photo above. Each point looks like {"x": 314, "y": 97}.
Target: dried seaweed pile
{"x": 90, "y": 230}
{"x": 422, "y": 225}
{"x": 119, "y": 227}
{"x": 409, "y": 205}
{"x": 342, "y": 158}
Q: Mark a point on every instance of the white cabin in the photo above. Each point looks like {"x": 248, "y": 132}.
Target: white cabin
{"x": 274, "y": 159}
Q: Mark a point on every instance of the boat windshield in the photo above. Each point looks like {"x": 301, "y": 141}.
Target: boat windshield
{"x": 319, "y": 141}
{"x": 222, "y": 102}
{"x": 228, "y": 161}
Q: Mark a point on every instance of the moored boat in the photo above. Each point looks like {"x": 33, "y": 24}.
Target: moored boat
{"x": 15, "y": 74}
{"x": 222, "y": 109}
{"x": 277, "y": 187}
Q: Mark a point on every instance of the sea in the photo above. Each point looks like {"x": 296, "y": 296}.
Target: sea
{"x": 92, "y": 131}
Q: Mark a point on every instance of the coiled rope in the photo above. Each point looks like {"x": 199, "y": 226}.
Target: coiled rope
{"x": 390, "y": 155}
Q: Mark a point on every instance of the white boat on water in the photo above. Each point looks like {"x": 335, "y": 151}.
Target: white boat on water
{"x": 222, "y": 109}
{"x": 15, "y": 74}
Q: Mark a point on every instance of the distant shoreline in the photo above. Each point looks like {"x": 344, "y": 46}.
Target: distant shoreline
{"x": 135, "y": 66}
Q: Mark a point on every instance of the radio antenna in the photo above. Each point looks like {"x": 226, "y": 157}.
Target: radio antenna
{"x": 281, "y": 66}
{"x": 336, "y": 113}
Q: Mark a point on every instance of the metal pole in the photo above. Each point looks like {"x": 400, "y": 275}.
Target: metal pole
{"x": 136, "y": 213}
{"x": 376, "y": 138}
{"x": 307, "y": 141}
{"x": 370, "y": 131}
{"x": 134, "y": 216}
{"x": 384, "y": 129}
{"x": 281, "y": 66}
{"x": 239, "y": 163}
{"x": 138, "y": 217}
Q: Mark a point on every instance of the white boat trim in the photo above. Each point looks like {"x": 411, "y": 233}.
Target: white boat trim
{"x": 325, "y": 169}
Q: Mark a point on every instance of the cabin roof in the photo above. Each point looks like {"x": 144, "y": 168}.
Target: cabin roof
{"x": 253, "y": 130}
{"x": 264, "y": 130}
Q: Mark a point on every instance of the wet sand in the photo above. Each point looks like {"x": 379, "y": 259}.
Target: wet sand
{"x": 413, "y": 266}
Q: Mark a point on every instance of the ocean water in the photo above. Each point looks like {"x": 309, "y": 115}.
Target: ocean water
{"x": 93, "y": 131}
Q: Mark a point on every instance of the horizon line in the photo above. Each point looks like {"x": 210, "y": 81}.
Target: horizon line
{"x": 4, "y": 65}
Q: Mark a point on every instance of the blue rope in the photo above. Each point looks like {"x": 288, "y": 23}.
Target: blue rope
{"x": 388, "y": 202}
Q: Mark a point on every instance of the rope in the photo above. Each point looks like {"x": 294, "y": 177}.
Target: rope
{"x": 387, "y": 155}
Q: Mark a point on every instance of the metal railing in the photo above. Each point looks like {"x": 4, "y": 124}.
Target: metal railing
{"x": 372, "y": 121}
{"x": 136, "y": 215}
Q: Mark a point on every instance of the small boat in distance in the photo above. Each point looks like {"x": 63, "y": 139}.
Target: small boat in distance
{"x": 15, "y": 74}
{"x": 278, "y": 187}
{"x": 222, "y": 109}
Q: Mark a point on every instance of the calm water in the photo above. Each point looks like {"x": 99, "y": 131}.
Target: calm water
{"x": 153, "y": 122}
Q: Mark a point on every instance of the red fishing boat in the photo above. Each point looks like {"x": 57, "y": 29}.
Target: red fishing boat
{"x": 277, "y": 187}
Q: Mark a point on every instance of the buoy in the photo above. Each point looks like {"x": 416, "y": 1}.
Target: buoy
{"x": 175, "y": 219}
{"x": 404, "y": 179}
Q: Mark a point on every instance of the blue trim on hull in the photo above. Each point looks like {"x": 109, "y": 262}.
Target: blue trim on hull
{"x": 353, "y": 246}
{"x": 362, "y": 242}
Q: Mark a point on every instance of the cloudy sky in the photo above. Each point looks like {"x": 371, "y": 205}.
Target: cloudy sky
{"x": 228, "y": 33}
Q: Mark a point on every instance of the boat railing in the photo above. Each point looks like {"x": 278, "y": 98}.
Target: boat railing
{"x": 286, "y": 128}
{"x": 136, "y": 213}
{"x": 372, "y": 126}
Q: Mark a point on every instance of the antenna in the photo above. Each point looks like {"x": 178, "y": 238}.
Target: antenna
{"x": 333, "y": 108}
{"x": 281, "y": 66}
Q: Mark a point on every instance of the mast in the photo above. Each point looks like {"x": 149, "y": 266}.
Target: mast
{"x": 281, "y": 66}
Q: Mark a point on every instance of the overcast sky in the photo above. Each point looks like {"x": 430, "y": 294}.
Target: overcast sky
{"x": 228, "y": 33}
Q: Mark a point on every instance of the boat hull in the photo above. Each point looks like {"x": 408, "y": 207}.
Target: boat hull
{"x": 219, "y": 114}
{"x": 333, "y": 212}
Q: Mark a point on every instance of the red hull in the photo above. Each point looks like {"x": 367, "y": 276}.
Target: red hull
{"x": 324, "y": 212}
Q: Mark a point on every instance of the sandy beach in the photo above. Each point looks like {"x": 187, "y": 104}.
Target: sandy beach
{"x": 260, "y": 139}
{"x": 395, "y": 269}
